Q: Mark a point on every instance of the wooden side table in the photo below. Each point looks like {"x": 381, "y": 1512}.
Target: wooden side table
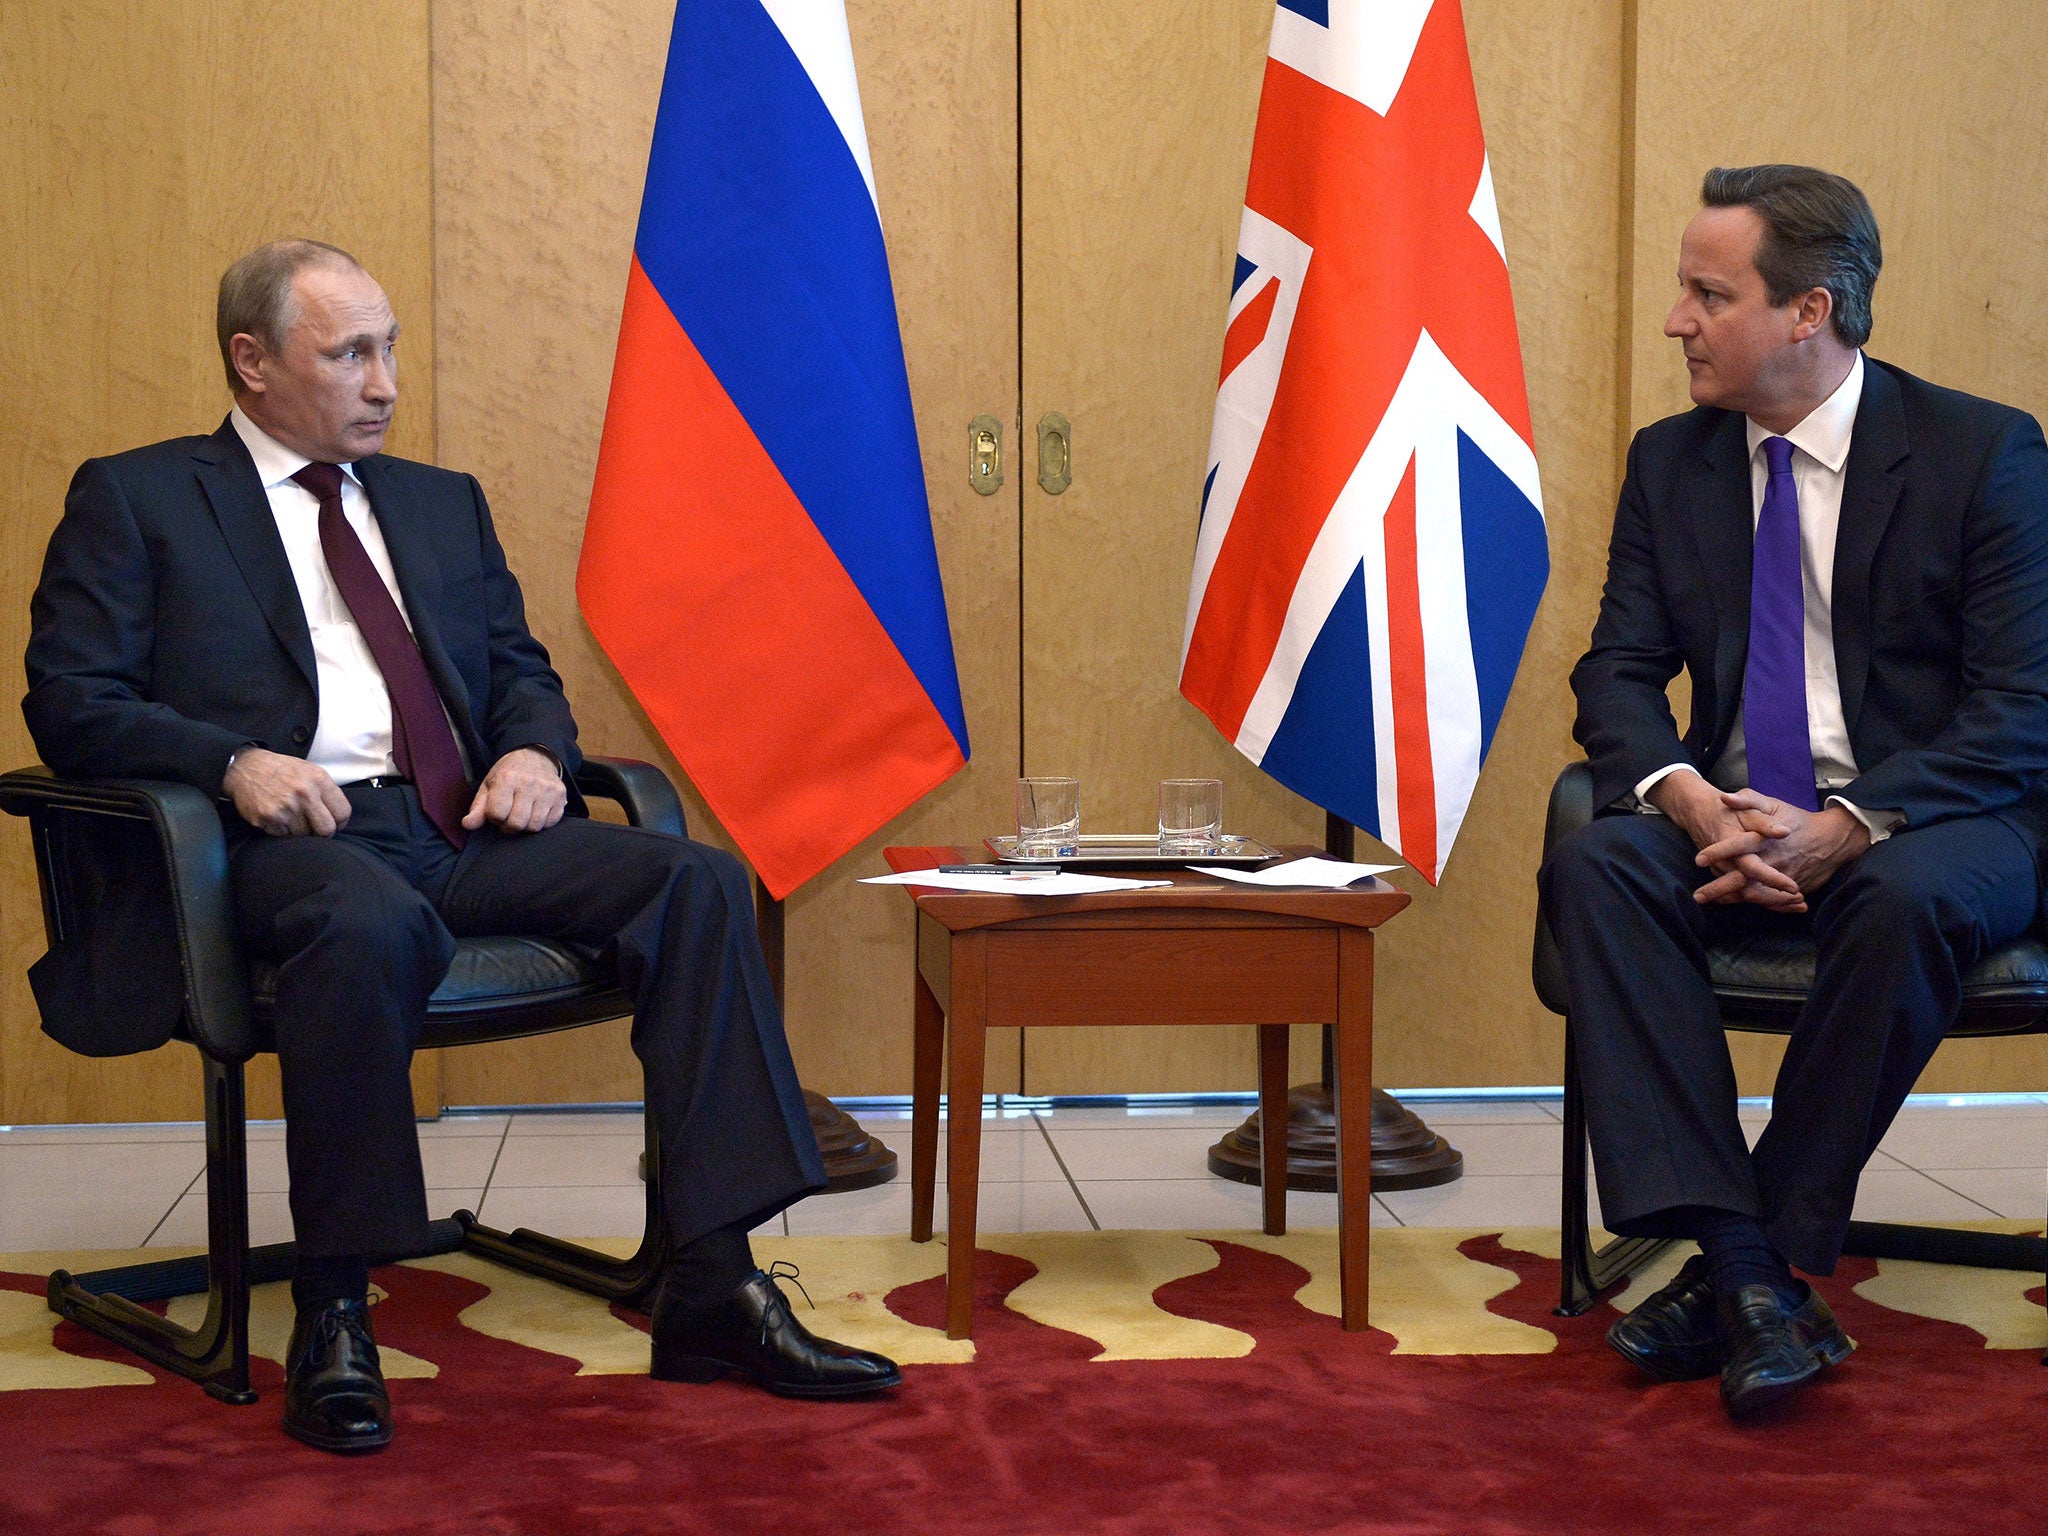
{"x": 1201, "y": 951}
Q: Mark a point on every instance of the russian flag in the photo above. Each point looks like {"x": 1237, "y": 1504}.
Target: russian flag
{"x": 758, "y": 561}
{"x": 1372, "y": 544}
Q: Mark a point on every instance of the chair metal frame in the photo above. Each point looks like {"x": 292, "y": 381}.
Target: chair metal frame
{"x": 222, "y": 1019}
{"x": 1994, "y": 1004}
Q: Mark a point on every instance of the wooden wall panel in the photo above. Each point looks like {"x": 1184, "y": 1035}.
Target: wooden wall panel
{"x": 1937, "y": 113}
{"x": 143, "y": 148}
{"x": 1130, "y": 229}
{"x": 542, "y": 119}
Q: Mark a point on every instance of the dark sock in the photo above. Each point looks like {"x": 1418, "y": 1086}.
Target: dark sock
{"x": 318, "y": 1281}
{"x": 706, "y": 1271}
{"x": 1738, "y": 1254}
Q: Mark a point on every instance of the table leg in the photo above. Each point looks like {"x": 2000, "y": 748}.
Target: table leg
{"x": 929, "y": 1051}
{"x": 1273, "y": 1127}
{"x": 967, "y": 1037}
{"x": 1354, "y": 1121}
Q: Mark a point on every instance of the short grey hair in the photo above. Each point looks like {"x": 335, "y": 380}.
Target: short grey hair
{"x": 1819, "y": 232}
{"x": 256, "y": 293}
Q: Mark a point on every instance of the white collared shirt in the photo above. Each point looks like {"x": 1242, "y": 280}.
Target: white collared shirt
{"x": 1820, "y": 459}
{"x": 353, "y": 738}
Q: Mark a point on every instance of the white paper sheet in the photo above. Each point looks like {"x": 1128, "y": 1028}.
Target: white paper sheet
{"x": 1319, "y": 874}
{"x": 1023, "y": 882}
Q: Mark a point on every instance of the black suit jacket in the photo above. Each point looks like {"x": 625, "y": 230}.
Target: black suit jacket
{"x": 167, "y": 633}
{"x": 167, "y": 630}
{"x": 1940, "y": 604}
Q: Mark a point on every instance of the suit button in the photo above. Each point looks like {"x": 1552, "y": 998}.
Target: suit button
{"x": 302, "y": 735}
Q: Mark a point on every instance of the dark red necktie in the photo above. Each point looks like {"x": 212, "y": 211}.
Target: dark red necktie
{"x": 420, "y": 738}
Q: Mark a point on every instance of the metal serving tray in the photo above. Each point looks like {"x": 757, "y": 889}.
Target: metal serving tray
{"x": 1139, "y": 850}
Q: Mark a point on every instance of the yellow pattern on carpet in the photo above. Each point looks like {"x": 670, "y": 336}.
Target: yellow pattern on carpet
{"x": 1098, "y": 1285}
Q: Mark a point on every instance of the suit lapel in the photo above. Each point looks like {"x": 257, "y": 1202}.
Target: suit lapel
{"x": 401, "y": 521}
{"x": 1719, "y": 504}
{"x": 228, "y": 477}
{"x": 1871, "y": 483}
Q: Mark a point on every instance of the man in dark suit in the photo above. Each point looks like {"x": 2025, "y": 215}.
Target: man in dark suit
{"x": 329, "y": 641}
{"x": 1851, "y": 565}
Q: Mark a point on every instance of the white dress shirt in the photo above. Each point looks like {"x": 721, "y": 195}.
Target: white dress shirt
{"x": 353, "y": 738}
{"x": 1820, "y": 457}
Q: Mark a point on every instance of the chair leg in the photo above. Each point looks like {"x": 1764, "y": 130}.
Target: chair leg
{"x": 216, "y": 1353}
{"x": 1584, "y": 1274}
{"x": 631, "y": 1280}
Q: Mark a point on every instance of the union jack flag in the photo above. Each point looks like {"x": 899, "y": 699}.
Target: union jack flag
{"x": 1372, "y": 543}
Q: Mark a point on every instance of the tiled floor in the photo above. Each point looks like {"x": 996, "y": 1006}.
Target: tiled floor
{"x": 1043, "y": 1169}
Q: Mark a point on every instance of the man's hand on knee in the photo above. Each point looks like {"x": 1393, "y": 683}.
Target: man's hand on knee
{"x": 285, "y": 796}
{"x": 523, "y": 792}
{"x": 1731, "y": 841}
{"x": 1807, "y": 846}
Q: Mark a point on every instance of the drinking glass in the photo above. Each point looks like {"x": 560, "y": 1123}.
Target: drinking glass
{"x": 1048, "y": 817}
{"x": 1190, "y": 816}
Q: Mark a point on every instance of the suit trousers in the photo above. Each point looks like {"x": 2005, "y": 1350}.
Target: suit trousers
{"x": 361, "y": 928}
{"x": 1895, "y": 930}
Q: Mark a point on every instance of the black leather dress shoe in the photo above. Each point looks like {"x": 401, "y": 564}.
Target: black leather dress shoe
{"x": 1673, "y": 1335}
{"x": 1774, "y": 1350}
{"x": 753, "y": 1335}
{"x": 334, "y": 1394}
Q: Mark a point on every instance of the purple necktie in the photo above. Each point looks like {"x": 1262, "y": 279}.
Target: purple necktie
{"x": 1774, "y": 681}
{"x": 420, "y": 737}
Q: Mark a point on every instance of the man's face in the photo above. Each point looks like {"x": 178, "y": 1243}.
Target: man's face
{"x": 1739, "y": 347}
{"x": 328, "y": 391}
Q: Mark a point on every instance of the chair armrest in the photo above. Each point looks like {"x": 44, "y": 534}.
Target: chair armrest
{"x": 641, "y": 789}
{"x": 1571, "y": 807}
{"x": 194, "y": 850}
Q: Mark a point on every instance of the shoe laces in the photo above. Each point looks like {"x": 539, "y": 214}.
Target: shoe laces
{"x": 329, "y": 1324}
{"x": 778, "y": 1272}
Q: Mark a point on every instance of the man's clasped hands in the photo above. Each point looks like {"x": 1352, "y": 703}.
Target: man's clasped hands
{"x": 1760, "y": 849}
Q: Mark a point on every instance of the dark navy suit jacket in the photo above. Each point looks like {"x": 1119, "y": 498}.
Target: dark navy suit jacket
{"x": 167, "y": 630}
{"x": 167, "y": 633}
{"x": 1940, "y": 604}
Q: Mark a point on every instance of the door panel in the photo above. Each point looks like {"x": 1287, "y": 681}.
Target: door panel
{"x": 1137, "y": 125}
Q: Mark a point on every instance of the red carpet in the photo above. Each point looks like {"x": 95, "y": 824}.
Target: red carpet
{"x": 1924, "y": 1430}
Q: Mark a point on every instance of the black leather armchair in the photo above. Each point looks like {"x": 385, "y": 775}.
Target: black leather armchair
{"x": 139, "y": 867}
{"x": 1761, "y": 984}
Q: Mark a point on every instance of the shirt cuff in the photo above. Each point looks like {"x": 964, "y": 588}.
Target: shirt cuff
{"x": 1880, "y": 824}
{"x": 546, "y": 752}
{"x": 1642, "y": 790}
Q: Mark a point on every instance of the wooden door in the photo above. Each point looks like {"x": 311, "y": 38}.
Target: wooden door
{"x": 1136, "y": 130}
{"x": 542, "y": 115}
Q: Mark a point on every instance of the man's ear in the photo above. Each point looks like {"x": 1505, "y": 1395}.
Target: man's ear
{"x": 248, "y": 355}
{"x": 1816, "y": 308}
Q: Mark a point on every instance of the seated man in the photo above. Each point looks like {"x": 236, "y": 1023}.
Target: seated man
{"x": 330, "y": 640}
{"x": 1852, "y": 566}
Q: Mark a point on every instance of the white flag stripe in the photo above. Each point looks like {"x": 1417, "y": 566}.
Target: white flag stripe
{"x": 1364, "y": 51}
{"x": 1245, "y": 399}
{"x": 816, "y": 33}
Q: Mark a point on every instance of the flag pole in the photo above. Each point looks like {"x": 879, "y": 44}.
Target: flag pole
{"x": 1406, "y": 1154}
{"x": 853, "y": 1158}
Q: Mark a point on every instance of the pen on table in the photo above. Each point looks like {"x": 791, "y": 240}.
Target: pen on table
{"x": 998, "y": 869}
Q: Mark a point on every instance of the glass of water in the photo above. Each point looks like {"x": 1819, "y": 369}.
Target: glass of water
{"x": 1190, "y": 816}
{"x": 1048, "y": 818}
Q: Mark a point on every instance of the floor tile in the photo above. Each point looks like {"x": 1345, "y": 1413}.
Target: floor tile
{"x": 69, "y": 1222}
{"x": 153, "y": 1130}
{"x": 1937, "y": 1139}
{"x": 1133, "y": 1152}
{"x": 55, "y": 1176}
{"x": 893, "y": 1125}
{"x": 1004, "y": 1160}
{"x": 2021, "y": 1193}
{"x": 885, "y": 1210}
{"x": 1209, "y": 1117}
{"x": 1515, "y": 1200}
{"x": 1535, "y": 1147}
{"x": 624, "y": 1122}
{"x": 567, "y": 1211}
{"x": 1436, "y": 1112}
{"x": 1900, "y": 1194}
{"x": 270, "y": 1221}
{"x": 1201, "y": 1204}
{"x": 461, "y": 1123}
{"x": 450, "y": 1162}
{"x": 534, "y": 1162}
